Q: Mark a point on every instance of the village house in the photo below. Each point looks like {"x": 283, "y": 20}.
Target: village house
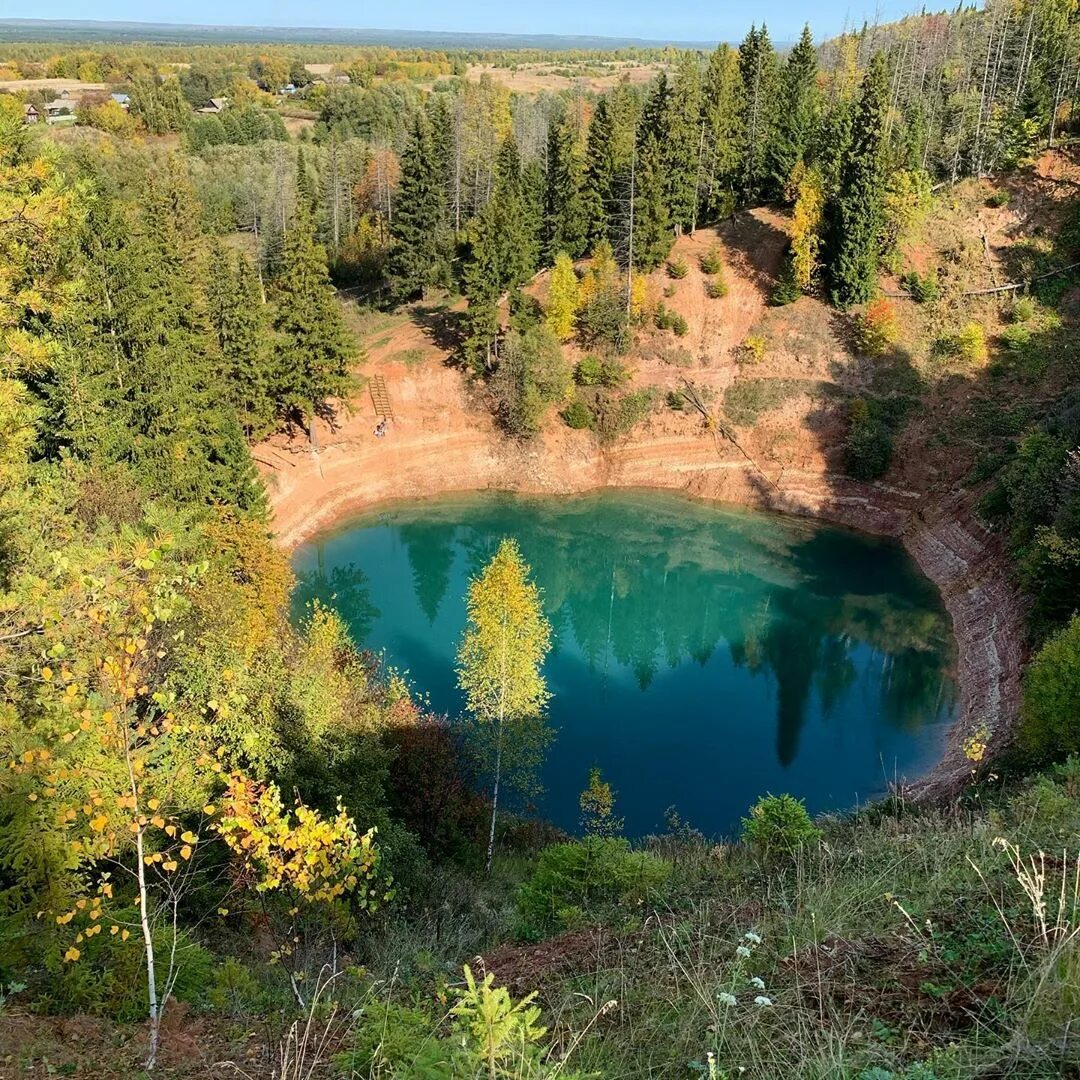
{"x": 215, "y": 105}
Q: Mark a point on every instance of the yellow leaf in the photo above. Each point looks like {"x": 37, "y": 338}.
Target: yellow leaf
{"x": 114, "y": 930}
{"x": 153, "y": 803}
{"x": 28, "y": 757}
{"x": 46, "y": 673}
{"x": 170, "y": 865}
{"x": 158, "y": 821}
{"x": 98, "y": 823}
{"x": 223, "y": 911}
{"x": 125, "y": 934}
{"x": 185, "y": 852}
{"x": 208, "y": 809}
{"x": 72, "y": 954}
{"x": 189, "y": 837}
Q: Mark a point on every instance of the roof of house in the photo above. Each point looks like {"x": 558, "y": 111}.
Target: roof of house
{"x": 120, "y": 99}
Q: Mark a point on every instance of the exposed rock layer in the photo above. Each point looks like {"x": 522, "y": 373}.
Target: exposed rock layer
{"x": 963, "y": 559}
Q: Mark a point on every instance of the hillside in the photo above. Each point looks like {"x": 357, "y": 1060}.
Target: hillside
{"x": 782, "y": 419}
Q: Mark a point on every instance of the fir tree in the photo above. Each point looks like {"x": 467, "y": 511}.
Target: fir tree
{"x": 652, "y": 235}
{"x": 855, "y": 216}
{"x": 722, "y": 115}
{"x": 564, "y": 210}
{"x": 532, "y": 211}
{"x": 419, "y": 256}
{"x": 240, "y": 326}
{"x": 497, "y": 260}
{"x": 314, "y": 345}
{"x": 797, "y": 119}
{"x": 683, "y": 143}
{"x": 597, "y": 192}
{"x": 758, "y": 68}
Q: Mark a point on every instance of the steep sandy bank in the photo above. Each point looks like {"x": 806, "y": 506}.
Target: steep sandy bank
{"x": 311, "y": 493}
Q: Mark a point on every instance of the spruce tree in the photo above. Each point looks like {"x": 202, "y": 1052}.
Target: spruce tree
{"x": 758, "y": 68}
{"x": 419, "y": 257}
{"x": 723, "y": 118}
{"x": 564, "y": 210}
{"x": 533, "y": 184}
{"x": 314, "y": 346}
{"x": 683, "y": 143}
{"x": 441, "y": 120}
{"x": 855, "y": 215}
{"x": 240, "y": 327}
{"x": 597, "y": 191}
{"x": 497, "y": 260}
{"x": 652, "y": 225}
{"x": 138, "y": 384}
{"x": 796, "y": 120}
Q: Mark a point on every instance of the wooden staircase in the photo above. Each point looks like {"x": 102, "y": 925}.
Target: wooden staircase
{"x": 380, "y": 398}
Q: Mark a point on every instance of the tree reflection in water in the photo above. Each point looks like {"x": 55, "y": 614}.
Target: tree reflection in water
{"x": 639, "y": 586}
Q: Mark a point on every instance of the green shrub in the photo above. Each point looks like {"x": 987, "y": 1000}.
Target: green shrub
{"x": 675, "y": 400}
{"x": 716, "y": 288}
{"x": 1049, "y": 719}
{"x": 577, "y": 415}
{"x": 678, "y": 269}
{"x": 923, "y": 287}
{"x": 585, "y": 876}
{"x": 679, "y": 325}
{"x": 587, "y": 372}
{"x": 712, "y": 262}
{"x": 110, "y": 976}
{"x": 235, "y": 991}
{"x": 1022, "y": 309}
{"x": 618, "y": 415}
{"x": 608, "y": 372}
{"x": 869, "y": 446}
{"x": 1016, "y": 338}
{"x": 392, "y": 1040}
{"x": 669, "y": 291}
{"x": 786, "y": 290}
{"x": 1000, "y": 197}
{"x": 779, "y": 825}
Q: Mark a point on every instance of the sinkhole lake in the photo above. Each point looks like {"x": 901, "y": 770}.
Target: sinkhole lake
{"x": 701, "y": 658}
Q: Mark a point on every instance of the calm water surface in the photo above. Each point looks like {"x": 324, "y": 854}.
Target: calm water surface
{"x": 702, "y": 656}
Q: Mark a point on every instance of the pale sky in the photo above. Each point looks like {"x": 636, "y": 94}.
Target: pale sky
{"x": 679, "y": 20}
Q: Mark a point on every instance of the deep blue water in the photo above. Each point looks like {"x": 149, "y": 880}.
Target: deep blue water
{"x": 702, "y": 656}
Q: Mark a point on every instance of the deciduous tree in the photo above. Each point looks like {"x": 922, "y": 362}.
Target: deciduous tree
{"x": 499, "y": 666}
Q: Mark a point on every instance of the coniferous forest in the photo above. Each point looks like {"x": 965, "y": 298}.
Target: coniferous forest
{"x": 232, "y": 841}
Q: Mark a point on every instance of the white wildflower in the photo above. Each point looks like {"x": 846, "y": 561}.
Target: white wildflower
{"x": 743, "y": 952}
{"x": 754, "y": 939}
{"x": 763, "y": 1001}
{"x": 725, "y": 998}
{"x": 757, "y": 983}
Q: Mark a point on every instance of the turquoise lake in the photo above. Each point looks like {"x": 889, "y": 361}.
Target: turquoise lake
{"x": 702, "y": 656}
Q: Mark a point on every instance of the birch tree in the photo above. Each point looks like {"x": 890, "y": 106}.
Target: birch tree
{"x": 499, "y": 665}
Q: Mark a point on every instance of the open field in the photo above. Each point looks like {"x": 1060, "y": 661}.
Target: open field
{"x": 73, "y": 86}
{"x": 533, "y": 78}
